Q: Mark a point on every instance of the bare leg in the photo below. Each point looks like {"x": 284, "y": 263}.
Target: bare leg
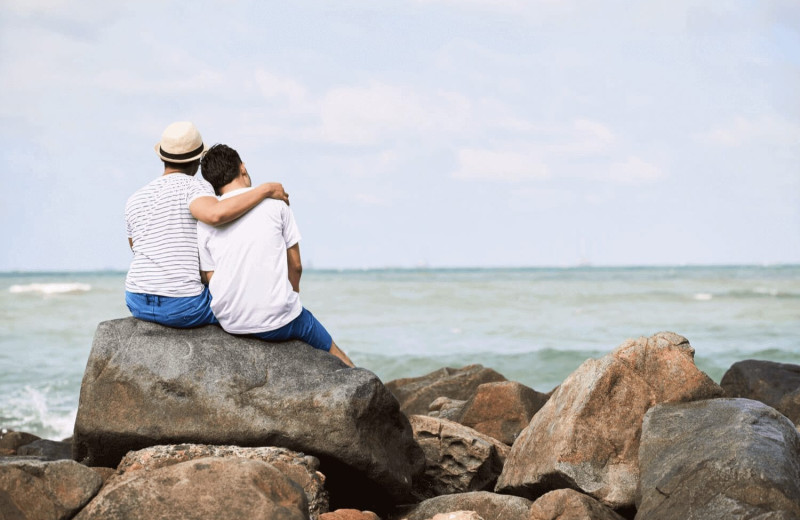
{"x": 336, "y": 351}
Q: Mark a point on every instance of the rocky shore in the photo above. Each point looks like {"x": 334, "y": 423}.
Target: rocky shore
{"x": 200, "y": 424}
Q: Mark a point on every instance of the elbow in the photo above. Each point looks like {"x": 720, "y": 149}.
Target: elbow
{"x": 297, "y": 270}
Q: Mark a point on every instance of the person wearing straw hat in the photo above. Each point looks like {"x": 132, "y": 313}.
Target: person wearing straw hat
{"x": 253, "y": 265}
{"x": 163, "y": 283}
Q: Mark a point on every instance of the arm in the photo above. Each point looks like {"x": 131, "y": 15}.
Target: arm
{"x": 205, "y": 276}
{"x": 217, "y": 212}
{"x": 130, "y": 243}
{"x": 295, "y": 266}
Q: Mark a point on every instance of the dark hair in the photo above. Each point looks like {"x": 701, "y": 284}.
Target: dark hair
{"x": 220, "y": 166}
{"x": 189, "y": 168}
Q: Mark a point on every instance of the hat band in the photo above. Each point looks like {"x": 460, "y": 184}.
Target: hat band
{"x": 180, "y": 156}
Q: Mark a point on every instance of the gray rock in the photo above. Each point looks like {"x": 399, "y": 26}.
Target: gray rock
{"x": 417, "y": 393}
{"x": 148, "y": 385}
{"x": 211, "y": 487}
{"x": 487, "y": 505}
{"x": 457, "y": 458}
{"x": 768, "y": 382}
{"x": 12, "y": 441}
{"x": 587, "y": 435}
{"x": 446, "y": 408}
{"x": 43, "y": 490}
{"x": 51, "y": 450}
{"x": 302, "y": 469}
{"x": 718, "y": 459}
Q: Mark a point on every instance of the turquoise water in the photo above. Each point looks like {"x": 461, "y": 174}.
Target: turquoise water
{"x": 532, "y": 325}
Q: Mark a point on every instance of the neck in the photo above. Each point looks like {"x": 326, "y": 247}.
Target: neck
{"x": 236, "y": 184}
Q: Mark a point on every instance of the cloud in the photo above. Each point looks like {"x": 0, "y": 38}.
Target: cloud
{"x": 634, "y": 171}
{"x": 486, "y": 164}
{"x": 741, "y": 131}
{"x": 283, "y": 88}
{"x": 368, "y": 114}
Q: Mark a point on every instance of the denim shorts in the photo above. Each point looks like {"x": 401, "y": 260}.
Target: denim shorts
{"x": 304, "y": 327}
{"x": 182, "y": 313}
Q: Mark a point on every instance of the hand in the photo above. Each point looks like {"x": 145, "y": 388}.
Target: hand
{"x": 274, "y": 190}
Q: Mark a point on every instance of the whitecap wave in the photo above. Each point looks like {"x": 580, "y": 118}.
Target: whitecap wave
{"x": 703, "y": 297}
{"x": 50, "y": 288}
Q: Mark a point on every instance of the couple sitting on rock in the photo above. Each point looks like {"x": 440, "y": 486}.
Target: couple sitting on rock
{"x": 244, "y": 245}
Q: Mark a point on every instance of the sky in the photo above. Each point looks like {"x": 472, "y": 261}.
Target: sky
{"x": 411, "y": 133}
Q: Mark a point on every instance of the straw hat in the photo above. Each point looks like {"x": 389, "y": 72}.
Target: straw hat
{"x": 180, "y": 143}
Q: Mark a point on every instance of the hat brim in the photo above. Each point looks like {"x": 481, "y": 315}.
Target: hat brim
{"x": 183, "y": 158}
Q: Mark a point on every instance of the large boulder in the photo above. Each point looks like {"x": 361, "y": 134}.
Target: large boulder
{"x": 148, "y": 385}
{"x": 490, "y": 506}
{"x": 766, "y": 381}
{"x": 302, "y": 469}
{"x": 587, "y": 435}
{"x": 417, "y": 393}
{"x": 718, "y": 459}
{"x": 501, "y": 410}
{"x": 47, "y": 449}
{"x": 211, "y": 487}
{"x": 33, "y": 489}
{"x": 568, "y": 504}
{"x": 457, "y": 458}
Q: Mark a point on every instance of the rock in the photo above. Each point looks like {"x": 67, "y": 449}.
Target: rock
{"x": 302, "y": 469}
{"x": 105, "y": 473}
{"x": 501, "y": 410}
{"x": 490, "y": 506}
{"x": 587, "y": 435}
{"x": 207, "y": 387}
{"x": 349, "y": 514}
{"x": 51, "y": 450}
{"x": 38, "y": 490}
{"x": 457, "y": 458}
{"x": 568, "y": 504}
{"x": 211, "y": 487}
{"x": 718, "y": 459}
{"x": 458, "y": 515}
{"x": 765, "y": 381}
{"x": 417, "y": 393}
{"x": 790, "y": 406}
{"x": 12, "y": 440}
{"x": 446, "y": 408}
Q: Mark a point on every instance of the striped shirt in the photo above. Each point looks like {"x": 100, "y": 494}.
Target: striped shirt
{"x": 164, "y": 234}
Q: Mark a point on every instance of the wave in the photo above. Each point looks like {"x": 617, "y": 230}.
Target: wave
{"x": 50, "y": 288}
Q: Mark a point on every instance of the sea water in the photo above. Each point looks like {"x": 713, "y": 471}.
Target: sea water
{"x": 532, "y": 325}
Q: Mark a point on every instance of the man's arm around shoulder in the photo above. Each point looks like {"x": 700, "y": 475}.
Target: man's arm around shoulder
{"x": 216, "y": 212}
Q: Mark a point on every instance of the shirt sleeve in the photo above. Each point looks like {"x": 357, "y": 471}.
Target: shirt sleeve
{"x": 203, "y": 235}
{"x": 198, "y": 188}
{"x": 291, "y": 235}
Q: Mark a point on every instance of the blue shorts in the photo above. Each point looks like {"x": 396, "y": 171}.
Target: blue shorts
{"x": 304, "y": 327}
{"x": 182, "y": 313}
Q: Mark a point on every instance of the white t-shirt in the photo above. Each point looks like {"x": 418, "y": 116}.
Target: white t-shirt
{"x": 164, "y": 234}
{"x": 250, "y": 289}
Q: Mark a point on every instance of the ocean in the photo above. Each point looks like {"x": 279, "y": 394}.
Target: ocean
{"x": 533, "y": 325}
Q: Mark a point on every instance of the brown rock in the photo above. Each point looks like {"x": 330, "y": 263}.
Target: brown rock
{"x": 349, "y": 514}
{"x": 211, "y": 487}
{"x": 458, "y": 515}
{"x": 457, "y": 458}
{"x": 490, "y": 506}
{"x": 105, "y": 473}
{"x": 14, "y": 440}
{"x": 501, "y": 410}
{"x": 446, "y": 408}
{"x": 302, "y": 469}
{"x": 568, "y": 504}
{"x": 415, "y": 394}
{"x": 768, "y": 382}
{"x": 38, "y": 490}
{"x": 587, "y": 435}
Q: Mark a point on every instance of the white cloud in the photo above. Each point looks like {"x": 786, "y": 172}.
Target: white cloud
{"x": 369, "y": 114}
{"x": 742, "y": 131}
{"x": 499, "y": 165}
{"x": 275, "y": 86}
{"x": 634, "y": 171}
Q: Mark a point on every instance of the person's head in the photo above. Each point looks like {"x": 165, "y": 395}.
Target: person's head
{"x": 181, "y": 147}
{"x": 221, "y": 165}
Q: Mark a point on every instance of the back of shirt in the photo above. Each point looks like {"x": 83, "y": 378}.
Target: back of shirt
{"x": 164, "y": 235}
{"x": 250, "y": 288}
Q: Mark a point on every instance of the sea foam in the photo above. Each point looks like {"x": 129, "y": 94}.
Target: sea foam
{"x": 50, "y": 288}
